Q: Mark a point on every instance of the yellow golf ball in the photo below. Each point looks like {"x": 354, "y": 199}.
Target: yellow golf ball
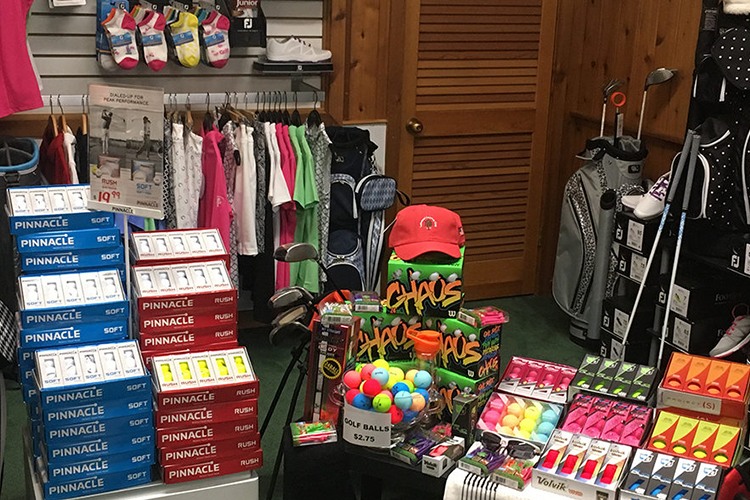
{"x": 381, "y": 363}
{"x": 396, "y": 375}
{"x": 410, "y": 384}
{"x": 532, "y": 413}
{"x": 527, "y": 425}
{"x": 506, "y": 430}
{"x": 524, "y": 434}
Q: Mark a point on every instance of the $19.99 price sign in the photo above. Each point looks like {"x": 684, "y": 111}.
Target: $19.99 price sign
{"x": 367, "y": 428}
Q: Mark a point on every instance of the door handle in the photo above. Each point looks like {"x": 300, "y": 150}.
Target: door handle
{"x": 414, "y": 126}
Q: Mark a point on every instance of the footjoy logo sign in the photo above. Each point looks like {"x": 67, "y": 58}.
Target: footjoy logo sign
{"x": 552, "y": 484}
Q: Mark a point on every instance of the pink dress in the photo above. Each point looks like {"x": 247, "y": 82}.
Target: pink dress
{"x": 19, "y": 90}
{"x": 214, "y": 209}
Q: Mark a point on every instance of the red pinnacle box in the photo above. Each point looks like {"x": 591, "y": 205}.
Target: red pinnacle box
{"x": 230, "y": 465}
{"x": 213, "y": 450}
{"x": 183, "y": 321}
{"x": 211, "y": 302}
{"x": 200, "y": 434}
{"x": 212, "y": 337}
{"x": 185, "y": 416}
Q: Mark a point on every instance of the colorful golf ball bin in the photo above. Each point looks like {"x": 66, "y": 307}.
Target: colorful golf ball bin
{"x": 519, "y": 417}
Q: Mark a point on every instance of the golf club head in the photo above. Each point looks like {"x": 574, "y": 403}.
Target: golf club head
{"x": 289, "y": 297}
{"x": 611, "y": 87}
{"x": 295, "y": 252}
{"x": 279, "y": 332}
{"x": 301, "y": 313}
{"x": 658, "y": 76}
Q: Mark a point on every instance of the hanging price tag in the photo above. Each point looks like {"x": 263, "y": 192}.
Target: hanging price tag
{"x": 367, "y": 428}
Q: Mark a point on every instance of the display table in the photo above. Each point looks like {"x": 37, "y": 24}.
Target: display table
{"x": 243, "y": 485}
{"x": 462, "y": 485}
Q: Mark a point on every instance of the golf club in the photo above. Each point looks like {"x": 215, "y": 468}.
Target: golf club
{"x": 674, "y": 182}
{"x": 608, "y": 89}
{"x": 289, "y": 297}
{"x": 685, "y": 203}
{"x": 298, "y": 313}
{"x": 618, "y": 99}
{"x": 299, "y": 252}
{"x": 656, "y": 77}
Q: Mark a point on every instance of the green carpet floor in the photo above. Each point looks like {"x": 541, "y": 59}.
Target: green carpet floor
{"x": 537, "y": 329}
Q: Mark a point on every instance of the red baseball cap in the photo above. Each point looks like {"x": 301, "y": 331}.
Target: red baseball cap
{"x": 420, "y": 229}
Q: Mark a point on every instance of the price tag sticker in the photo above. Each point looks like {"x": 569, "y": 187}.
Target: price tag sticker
{"x": 681, "y": 334}
{"x": 367, "y": 428}
{"x": 635, "y": 235}
{"x": 747, "y": 258}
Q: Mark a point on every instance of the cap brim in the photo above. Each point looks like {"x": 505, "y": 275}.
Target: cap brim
{"x": 411, "y": 251}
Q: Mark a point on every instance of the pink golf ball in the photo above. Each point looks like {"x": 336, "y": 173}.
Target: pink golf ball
{"x": 352, "y": 379}
{"x": 367, "y": 371}
{"x": 491, "y": 417}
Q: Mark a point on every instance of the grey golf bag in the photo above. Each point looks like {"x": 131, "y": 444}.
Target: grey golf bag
{"x": 605, "y": 167}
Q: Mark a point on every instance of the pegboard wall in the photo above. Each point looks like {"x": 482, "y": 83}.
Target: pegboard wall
{"x": 62, "y": 42}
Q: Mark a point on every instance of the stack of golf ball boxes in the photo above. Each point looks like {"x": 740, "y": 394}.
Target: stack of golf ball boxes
{"x": 70, "y": 262}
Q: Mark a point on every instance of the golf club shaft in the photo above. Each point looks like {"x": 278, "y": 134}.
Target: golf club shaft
{"x": 696, "y": 139}
{"x": 604, "y": 117}
{"x": 676, "y": 175}
{"x": 643, "y": 110}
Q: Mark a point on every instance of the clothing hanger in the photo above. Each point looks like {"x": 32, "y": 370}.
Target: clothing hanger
{"x": 188, "y": 113}
{"x": 314, "y": 119}
{"x": 52, "y": 117}
{"x": 208, "y": 118}
{"x": 62, "y": 115}
{"x": 296, "y": 118}
{"x": 277, "y": 106}
{"x": 287, "y": 119}
{"x": 263, "y": 116}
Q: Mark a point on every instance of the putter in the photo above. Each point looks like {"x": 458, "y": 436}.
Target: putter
{"x": 608, "y": 89}
{"x": 685, "y": 203}
{"x": 656, "y": 77}
{"x": 674, "y": 182}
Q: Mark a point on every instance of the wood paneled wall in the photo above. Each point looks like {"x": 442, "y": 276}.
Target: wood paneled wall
{"x": 602, "y": 39}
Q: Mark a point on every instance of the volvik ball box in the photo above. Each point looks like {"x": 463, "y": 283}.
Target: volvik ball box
{"x": 213, "y": 450}
{"x": 202, "y": 379}
{"x": 705, "y": 385}
{"x": 155, "y": 248}
{"x": 219, "y": 467}
{"x": 178, "y": 438}
{"x": 660, "y": 476}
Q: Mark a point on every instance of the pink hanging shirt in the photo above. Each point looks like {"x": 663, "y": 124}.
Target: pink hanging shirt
{"x": 214, "y": 209}
{"x": 19, "y": 90}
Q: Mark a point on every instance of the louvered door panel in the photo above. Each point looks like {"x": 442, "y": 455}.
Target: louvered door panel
{"x": 477, "y": 79}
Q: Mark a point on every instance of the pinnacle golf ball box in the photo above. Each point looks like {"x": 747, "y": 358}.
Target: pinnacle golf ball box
{"x": 192, "y": 339}
{"x": 187, "y": 320}
{"x": 106, "y": 428}
{"x": 181, "y": 437}
{"x": 179, "y": 245}
{"x": 112, "y": 462}
{"x": 219, "y": 467}
{"x": 467, "y": 347}
{"x": 212, "y": 450}
{"x": 425, "y": 288}
{"x": 66, "y": 241}
{"x": 211, "y": 302}
{"x": 383, "y": 335}
{"x": 85, "y": 333}
{"x": 634, "y": 233}
{"x": 87, "y": 449}
{"x": 50, "y": 301}
{"x": 89, "y": 412}
{"x": 98, "y": 484}
{"x": 191, "y": 416}
{"x": 83, "y": 259}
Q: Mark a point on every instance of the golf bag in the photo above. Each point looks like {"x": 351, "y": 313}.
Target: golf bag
{"x": 606, "y": 167}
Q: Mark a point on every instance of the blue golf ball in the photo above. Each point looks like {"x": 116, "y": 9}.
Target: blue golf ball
{"x": 409, "y": 415}
{"x": 542, "y": 438}
{"x": 545, "y": 428}
{"x": 424, "y": 393}
{"x": 402, "y": 400}
{"x": 399, "y": 387}
{"x": 422, "y": 379}
{"x": 381, "y": 375}
{"x": 363, "y": 402}
{"x": 549, "y": 416}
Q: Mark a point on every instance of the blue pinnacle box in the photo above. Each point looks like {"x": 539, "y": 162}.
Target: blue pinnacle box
{"x": 74, "y": 260}
{"x": 58, "y": 473}
{"x": 90, "y": 448}
{"x": 89, "y": 412}
{"x": 27, "y": 224}
{"x": 105, "y": 428}
{"x": 82, "y": 239}
{"x": 86, "y": 333}
{"x": 55, "y": 317}
{"x": 101, "y": 393}
{"x": 97, "y": 484}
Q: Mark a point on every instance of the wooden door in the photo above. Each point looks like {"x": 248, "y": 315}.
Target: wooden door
{"x": 467, "y": 125}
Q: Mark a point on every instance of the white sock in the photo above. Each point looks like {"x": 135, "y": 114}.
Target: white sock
{"x": 120, "y": 28}
{"x": 216, "y": 39}
{"x": 154, "y": 44}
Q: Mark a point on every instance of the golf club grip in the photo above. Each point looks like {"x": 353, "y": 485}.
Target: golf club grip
{"x": 674, "y": 182}
{"x": 691, "y": 171}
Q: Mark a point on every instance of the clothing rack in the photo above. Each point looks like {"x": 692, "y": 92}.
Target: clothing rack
{"x": 244, "y": 100}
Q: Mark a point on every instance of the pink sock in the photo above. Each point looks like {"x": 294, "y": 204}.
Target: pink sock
{"x": 216, "y": 39}
{"x": 154, "y": 44}
{"x": 120, "y": 28}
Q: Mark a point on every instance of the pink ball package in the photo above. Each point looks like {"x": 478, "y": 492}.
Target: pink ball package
{"x": 607, "y": 419}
